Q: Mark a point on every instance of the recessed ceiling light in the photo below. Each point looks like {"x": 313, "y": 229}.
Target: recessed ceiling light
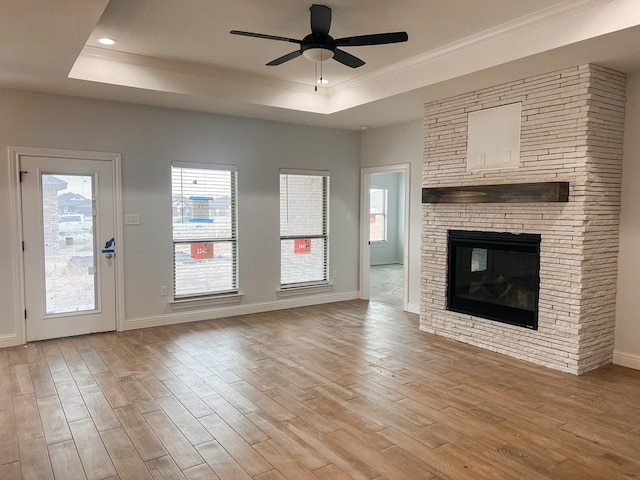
{"x": 107, "y": 41}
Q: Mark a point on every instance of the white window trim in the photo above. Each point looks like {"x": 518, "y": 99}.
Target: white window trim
{"x": 207, "y": 300}
{"x": 205, "y": 166}
{"x": 213, "y": 298}
{"x": 304, "y": 288}
{"x": 385, "y": 214}
{"x": 294, "y": 171}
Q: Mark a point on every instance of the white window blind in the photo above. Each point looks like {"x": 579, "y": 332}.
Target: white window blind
{"x": 204, "y": 229}
{"x": 304, "y": 228}
{"x": 378, "y": 205}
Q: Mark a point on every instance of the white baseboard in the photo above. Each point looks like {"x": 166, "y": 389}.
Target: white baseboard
{"x": 626, "y": 360}
{"x": 9, "y": 340}
{"x": 413, "y": 308}
{"x": 233, "y": 310}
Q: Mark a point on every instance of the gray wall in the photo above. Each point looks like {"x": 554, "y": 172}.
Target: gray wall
{"x": 149, "y": 139}
{"x": 627, "y": 337}
{"x": 395, "y": 145}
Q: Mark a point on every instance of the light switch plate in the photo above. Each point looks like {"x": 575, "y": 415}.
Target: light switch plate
{"x": 132, "y": 219}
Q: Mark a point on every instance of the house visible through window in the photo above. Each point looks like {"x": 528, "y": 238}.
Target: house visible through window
{"x": 204, "y": 229}
{"x": 378, "y": 205}
{"x": 304, "y": 227}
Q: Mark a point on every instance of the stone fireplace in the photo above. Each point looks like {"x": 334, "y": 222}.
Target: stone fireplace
{"x": 571, "y": 131}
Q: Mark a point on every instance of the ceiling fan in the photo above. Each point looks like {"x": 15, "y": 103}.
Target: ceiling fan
{"x": 319, "y": 46}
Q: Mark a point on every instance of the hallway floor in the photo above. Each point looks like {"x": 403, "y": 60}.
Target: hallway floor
{"x": 386, "y": 284}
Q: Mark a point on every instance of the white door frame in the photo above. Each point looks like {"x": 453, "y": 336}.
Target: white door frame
{"x": 365, "y": 249}
{"x": 16, "y": 224}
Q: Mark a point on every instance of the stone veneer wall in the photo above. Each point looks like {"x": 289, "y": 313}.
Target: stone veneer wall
{"x": 572, "y": 130}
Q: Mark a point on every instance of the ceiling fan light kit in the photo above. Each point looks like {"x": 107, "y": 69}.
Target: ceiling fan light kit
{"x": 317, "y": 53}
{"x": 319, "y": 46}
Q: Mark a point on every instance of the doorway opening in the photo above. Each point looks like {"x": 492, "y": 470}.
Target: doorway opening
{"x": 384, "y": 234}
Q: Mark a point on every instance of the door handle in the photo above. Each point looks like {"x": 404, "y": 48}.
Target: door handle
{"x": 109, "y": 249}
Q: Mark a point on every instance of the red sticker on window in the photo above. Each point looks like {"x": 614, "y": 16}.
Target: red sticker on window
{"x": 201, "y": 251}
{"x": 302, "y": 246}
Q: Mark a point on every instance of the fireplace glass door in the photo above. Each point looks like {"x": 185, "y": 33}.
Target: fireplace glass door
{"x": 494, "y": 276}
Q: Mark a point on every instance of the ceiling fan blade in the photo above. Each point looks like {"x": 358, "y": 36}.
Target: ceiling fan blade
{"x": 373, "y": 39}
{"x": 284, "y": 58}
{"x": 347, "y": 59}
{"x": 320, "y": 19}
{"x": 268, "y": 37}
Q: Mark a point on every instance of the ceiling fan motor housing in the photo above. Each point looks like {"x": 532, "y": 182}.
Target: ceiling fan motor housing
{"x": 318, "y": 47}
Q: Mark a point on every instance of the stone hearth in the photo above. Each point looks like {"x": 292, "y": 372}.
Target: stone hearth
{"x": 572, "y": 124}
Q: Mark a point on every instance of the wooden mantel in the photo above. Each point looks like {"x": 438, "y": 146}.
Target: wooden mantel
{"x": 506, "y": 193}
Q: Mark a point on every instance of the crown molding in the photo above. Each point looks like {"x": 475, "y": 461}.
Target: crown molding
{"x": 536, "y": 19}
{"x": 189, "y": 68}
{"x": 196, "y": 81}
{"x": 564, "y": 25}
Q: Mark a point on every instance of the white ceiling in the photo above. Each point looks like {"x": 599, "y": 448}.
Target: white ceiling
{"x": 180, "y": 53}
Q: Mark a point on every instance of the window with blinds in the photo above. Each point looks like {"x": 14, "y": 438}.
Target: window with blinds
{"x": 378, "y": 204}
{"x": 205, "y": 255}
{"x": 304, "y": 227}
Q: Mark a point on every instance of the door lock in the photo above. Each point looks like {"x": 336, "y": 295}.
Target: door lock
{"x": 108, "y": 249}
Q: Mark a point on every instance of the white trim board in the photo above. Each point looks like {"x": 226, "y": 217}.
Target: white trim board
{"x": 629, "y": 360}
{"x": 235, "y": 310}
{"x": 413, "y": 308}
{"x": 10, "y": 340}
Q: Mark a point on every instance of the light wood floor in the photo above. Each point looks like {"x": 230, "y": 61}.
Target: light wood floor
{"x": 348, "y": 390}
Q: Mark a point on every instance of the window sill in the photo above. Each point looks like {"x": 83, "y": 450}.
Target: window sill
{"x": 304, "y": 290}
{"x": 187, "y": 303}
{"x": 379, "y": 243}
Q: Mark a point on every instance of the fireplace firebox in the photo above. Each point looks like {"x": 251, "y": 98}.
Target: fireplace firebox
{"x": 494, "y": 276}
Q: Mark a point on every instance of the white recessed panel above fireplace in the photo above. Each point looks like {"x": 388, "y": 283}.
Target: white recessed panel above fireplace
{"x": 493, "y": 138}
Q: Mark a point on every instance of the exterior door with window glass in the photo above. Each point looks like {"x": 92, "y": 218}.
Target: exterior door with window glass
{"x": 69, "y": 269}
